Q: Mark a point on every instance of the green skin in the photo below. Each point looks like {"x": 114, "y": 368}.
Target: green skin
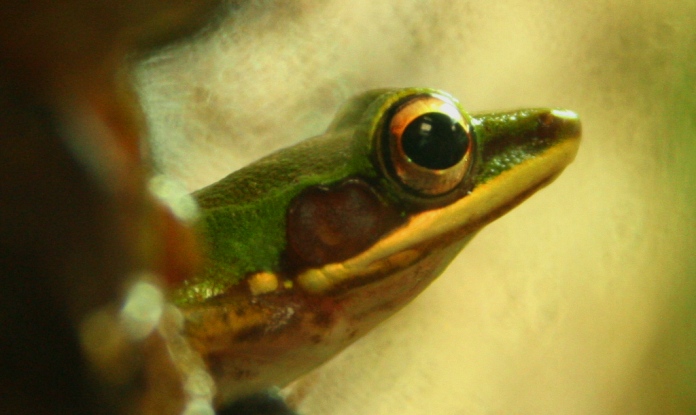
{"x": 244, "y": 215}
{"x": 260, "y": 317}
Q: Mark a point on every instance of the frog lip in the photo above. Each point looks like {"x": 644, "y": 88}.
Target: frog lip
{"x": 432, "y": 229}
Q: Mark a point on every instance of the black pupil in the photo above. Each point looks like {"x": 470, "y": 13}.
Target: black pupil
{"x": 434, "y": 141}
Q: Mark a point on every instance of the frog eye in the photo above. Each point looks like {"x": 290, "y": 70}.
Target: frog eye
{"x": 429, "y": 145}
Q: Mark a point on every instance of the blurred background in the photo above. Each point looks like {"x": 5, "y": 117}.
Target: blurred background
{"x": 580, "y": 301}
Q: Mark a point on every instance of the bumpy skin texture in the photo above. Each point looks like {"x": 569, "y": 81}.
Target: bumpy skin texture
{"x": 249, "y": 233}
{"x": 244, "y": 214}
{"x": 286, "y": 319}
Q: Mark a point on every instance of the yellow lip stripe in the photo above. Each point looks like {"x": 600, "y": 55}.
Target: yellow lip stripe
{"x": 428, "y": 225}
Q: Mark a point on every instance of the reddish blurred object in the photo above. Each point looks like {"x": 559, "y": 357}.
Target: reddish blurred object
{"x": 75, "y": 218}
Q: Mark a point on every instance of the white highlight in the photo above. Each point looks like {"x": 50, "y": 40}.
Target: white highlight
{"x": 198, "y": 407}
{"x": 142, "y": 310}
{"x": 567, "y": 114}
{"x": 174, "y": 195}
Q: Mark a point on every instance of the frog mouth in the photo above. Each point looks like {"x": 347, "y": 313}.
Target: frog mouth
{"x": 434, "y": 230}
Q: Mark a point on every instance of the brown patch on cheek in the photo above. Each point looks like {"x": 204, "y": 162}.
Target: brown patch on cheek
{"x": 326, "y": 225}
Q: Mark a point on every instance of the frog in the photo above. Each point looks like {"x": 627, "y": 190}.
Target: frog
{"x": 311, "y": 247}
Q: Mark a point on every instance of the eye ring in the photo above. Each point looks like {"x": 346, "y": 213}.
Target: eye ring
{"x": 429, "y": 145}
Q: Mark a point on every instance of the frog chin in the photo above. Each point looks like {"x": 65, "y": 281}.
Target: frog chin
{"x": 372, "y": 298}
{"x": 271, "y": 339}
